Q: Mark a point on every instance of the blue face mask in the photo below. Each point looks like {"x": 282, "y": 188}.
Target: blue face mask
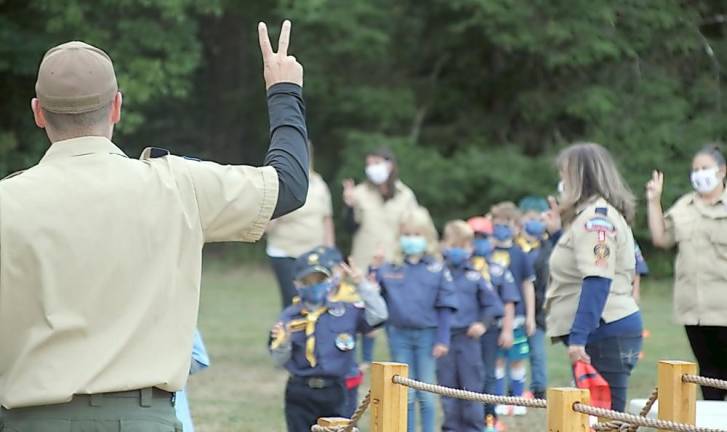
{"x": 456, "y": 256}
{"x": 316, "y": 294}
{"x": 535, "y": 228}
{"x": 413, "y": 245}
{"x": 502, "y": 232}
{"x": 483, "y": 247}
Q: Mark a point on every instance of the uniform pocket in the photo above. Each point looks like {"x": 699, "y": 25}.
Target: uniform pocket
{"x": 719, "y": 240}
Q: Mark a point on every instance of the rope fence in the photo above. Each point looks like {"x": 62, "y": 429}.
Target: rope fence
{"x": 468, "y": 395}
{"x": 640, "y": 421}
{"x": 704, "y": 381}
{"x": 568, "y": 409}
{"x": 615, "y": 425}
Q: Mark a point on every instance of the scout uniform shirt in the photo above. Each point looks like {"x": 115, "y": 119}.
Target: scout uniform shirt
{"x": 414, "y": 292}
{"x": 700, "y": 273}
{"x": 109, "y": 302}
{"x": 378, "y": 221}
{"x": 476, "y": 299}
{"x": 500, "y": 278}
{"x": 599, "y": 243}
{"x": 333, "y": 331}
{"x": 302, "y": 230}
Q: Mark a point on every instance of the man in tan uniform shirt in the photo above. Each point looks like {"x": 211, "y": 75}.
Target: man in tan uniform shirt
{"x": 100, "y": 254}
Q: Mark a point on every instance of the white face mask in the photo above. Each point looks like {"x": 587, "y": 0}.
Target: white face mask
{"x": 705, "y": 180}
{"x": 378, "y": 173}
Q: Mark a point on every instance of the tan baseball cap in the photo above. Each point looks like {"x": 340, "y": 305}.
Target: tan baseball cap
{"x": 75, "y": 78}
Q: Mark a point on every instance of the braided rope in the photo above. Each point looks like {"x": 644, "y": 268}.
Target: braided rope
{"x": 640, "y": 421}
{"x": 619, "y": 426}
{"x": 362, "y": 407}
{"x": 705, "y": 381}
{"x": 468, "y": 395}
{"x": 360, "y": 410}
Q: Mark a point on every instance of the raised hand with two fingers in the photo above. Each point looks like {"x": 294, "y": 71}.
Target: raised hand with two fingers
{"x": 279, "y": 67}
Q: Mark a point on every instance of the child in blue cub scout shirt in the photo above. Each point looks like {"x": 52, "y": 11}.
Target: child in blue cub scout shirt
{"x": 314, "y": 340}
{"x": 420, "y": 295}
{"x": 479, "y": 309}
{"x": 505, "y": 218}
{"x": 200, "y": 361}
{"x": 350, "y": 284}
{"x": 533, "y": 241}
{"x": 500, "y": 336}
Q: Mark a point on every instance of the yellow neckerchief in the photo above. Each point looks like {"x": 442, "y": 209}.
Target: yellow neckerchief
{"x": 502, "y": 257}
{"x": 480, "y": 264}
{"x": 346, "y": 293}
{"x": 308, "y": 323}
{"x": 526, "y": 244}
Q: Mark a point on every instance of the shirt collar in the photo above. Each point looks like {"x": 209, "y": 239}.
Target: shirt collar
{"x": 80, "y": 146}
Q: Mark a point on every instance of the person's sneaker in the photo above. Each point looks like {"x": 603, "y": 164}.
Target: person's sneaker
{"x": 539, "y": 395}
{"x": 503, "y": 410}
{"x": 519, "y": 410}
{"x": 527, "y": 394}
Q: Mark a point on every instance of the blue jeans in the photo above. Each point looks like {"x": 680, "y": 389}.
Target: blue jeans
{"x": 614, "y": 358}
{"x": 538, "y": 362}
{"x": 414, "y": 347}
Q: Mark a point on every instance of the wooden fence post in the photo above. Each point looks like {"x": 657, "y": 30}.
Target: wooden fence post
{"x": 388, "y": 400}
{"x": 677, "y": 399}
{"x": 560, "y": 414}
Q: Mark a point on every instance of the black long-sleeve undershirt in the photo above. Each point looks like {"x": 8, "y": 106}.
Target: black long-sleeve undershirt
{"x": 288, "y": 152}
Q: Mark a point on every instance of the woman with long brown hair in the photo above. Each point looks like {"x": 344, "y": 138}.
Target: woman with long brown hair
{"x": 589, "y": 305}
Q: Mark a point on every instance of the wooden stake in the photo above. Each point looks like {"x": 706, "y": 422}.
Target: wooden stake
{"x": 677, "y": 400}
{"x": 388, "y": 400}
{"x": 560, "y": 415}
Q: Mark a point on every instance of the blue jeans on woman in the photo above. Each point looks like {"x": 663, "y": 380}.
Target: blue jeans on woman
{"x": 614, "y": 358}
{"x": 414, "y": 347}
{"x": 538, "y": 363}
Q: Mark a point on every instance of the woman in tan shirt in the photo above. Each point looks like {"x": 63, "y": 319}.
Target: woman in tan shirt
{"x": 697, "y": 225}
{"x": 588, "y": 303}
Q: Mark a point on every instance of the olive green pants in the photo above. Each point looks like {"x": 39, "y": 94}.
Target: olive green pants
{"x": 133, "y": 411}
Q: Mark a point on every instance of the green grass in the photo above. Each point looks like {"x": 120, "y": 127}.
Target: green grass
{"x": 241, "y": 391}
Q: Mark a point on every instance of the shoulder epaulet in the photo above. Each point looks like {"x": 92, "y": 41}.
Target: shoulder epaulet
{"x": 154, "y": 152}
{"x": 15, "y": 174}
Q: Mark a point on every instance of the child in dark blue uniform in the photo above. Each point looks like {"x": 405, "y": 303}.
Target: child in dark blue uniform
{"x": 420, "y": 297}
{"x": 532, "y": 240}
{"x": 479, "y": 309}
{"x": 505, "y": 218}
{"x": 314, "y": 340}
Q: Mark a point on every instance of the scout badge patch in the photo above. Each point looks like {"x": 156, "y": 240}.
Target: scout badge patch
{"x": 345, "y": 342}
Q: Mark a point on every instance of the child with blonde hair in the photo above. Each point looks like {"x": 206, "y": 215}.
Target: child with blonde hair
{"x": 421, "y": 299}
{"x": 479, "y": 309}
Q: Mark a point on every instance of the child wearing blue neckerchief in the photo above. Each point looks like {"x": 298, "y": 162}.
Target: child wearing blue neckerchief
{"x": 421, "y": 299}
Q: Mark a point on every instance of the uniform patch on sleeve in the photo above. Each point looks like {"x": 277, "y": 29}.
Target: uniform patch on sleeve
{"x": 600, "y": 224}
{"x": 473, "y": 276}
{"x": 602, "y": 210}
{"x": 435, "y": 267}
{"x": 509, "y": 278}
{"x": 602, "y": 252}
